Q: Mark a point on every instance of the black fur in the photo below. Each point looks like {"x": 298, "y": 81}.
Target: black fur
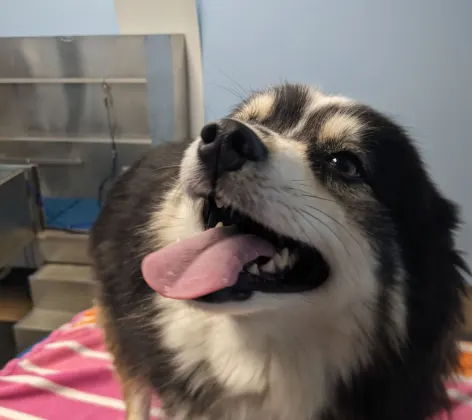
{"x": 406, "y": 385}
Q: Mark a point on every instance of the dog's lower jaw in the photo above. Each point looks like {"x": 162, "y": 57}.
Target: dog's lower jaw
{"x": 268, "y": 368}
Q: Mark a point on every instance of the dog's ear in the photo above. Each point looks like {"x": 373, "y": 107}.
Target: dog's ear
{"x": 425, "y": 221}
{"x": 442, "y": 220}
{"x": 442, "y": 214}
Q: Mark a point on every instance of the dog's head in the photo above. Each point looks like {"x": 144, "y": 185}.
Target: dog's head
{"x": 336, "y": 188}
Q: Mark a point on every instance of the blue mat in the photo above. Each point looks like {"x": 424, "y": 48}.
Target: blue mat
{"x": 70, "y": 213}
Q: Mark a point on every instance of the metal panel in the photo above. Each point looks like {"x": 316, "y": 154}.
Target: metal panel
{"x": 181, "y": 111}
{"x": 72, "y": 110}
{"x": 167, "y": 79}
{"x": 54, "y": 87}
{"x": 71, "y": 168}
{"x": 82, "y": 56}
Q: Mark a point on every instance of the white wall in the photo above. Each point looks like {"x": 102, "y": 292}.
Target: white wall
{"x": 411, "y": 59}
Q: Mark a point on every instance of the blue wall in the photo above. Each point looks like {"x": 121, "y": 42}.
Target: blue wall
{"x": 411, "y": 59}
{"x": 57, "y": 17}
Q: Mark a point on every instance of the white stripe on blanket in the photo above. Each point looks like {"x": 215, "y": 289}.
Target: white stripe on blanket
{"x": 80, "y": 349}
{"x": 71, "y": 393}
{"x": 8, "y": 413}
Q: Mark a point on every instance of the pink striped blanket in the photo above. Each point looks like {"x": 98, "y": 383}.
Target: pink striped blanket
{"x": 70, "y": 376}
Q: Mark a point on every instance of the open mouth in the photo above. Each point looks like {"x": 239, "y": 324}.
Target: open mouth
{"x": 295, "y": 268}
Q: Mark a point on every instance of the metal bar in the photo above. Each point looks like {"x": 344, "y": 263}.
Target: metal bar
{"x": 73, "y": 80}
{"x": 42, "y": 161}
{"x": 98, "y": 139}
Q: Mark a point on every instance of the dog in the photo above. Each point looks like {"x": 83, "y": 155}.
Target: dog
{"x": 294, "y": 262}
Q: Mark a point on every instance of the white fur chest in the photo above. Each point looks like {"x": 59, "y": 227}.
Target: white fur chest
{"x": 278, "y": 376}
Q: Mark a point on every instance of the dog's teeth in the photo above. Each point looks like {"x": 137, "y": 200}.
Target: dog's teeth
{"x": 282, "y": 259}
{"x": 219, "y": 224}
{"x": 269, "y": 267}
{"x": 253, "y": 269}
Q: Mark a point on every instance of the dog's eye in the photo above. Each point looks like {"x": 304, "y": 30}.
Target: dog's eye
{"x": 347, "y": 165}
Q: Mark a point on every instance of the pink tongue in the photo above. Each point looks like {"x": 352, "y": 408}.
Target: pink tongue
{"x": 202, "y": 264}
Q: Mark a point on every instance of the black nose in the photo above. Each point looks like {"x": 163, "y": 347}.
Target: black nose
{"x": 227, "y": 145}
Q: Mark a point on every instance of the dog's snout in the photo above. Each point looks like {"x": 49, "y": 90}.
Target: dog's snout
{"x": 227, "y": 145}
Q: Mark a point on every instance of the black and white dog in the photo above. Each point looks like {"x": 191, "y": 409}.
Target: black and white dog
{"x": 295, "y": 262}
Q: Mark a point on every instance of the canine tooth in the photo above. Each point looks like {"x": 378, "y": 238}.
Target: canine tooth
{"x": 253, "y": 269}
{"x": 268, "y": 267}
{"x": 219, "y": 224}
{"x": 282, "y": 258}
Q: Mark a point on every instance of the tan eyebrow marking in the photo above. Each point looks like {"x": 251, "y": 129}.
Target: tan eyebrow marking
{"x": 340, "y": 126}
{"x": 257, "y": 108}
